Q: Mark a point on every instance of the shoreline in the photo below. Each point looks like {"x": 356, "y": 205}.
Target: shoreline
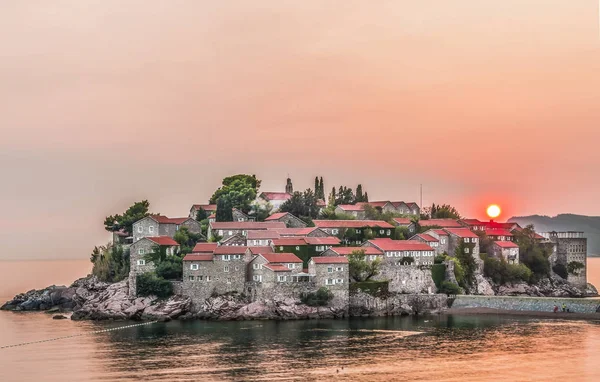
{"x": 521, "y": 313}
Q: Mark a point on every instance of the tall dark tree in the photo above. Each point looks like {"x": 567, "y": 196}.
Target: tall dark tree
{"x": 359, "y": 194}
{"x": 137, "y": 211}
{"x": 332, "y": 198}
{"x": 317, "y": 188}
{"x": 366, "y": 197}
{"x": 224, "y": 210}
{"x": 321, "y": 189}
{"x": 201, "y": 214}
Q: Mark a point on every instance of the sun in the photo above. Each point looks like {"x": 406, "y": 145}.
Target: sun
{"x": 493, "y": 211}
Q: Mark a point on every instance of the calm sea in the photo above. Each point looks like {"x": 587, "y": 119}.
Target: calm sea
{"x": 448, "y": 348}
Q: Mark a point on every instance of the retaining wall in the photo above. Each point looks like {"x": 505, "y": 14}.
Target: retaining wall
{"x": 532, "y": 304}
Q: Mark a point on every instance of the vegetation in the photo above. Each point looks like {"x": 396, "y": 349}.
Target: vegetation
{"x": 302, "y": 204}
{"x": 201, "y": 215}
{"x": 467, "y": 264}
{"x": 502, "y": 272}
{"x": 170, "y": 269}
{"x": 319, "y": 298}
{"x": 438, "y": 274}
{"x": 186, "y": 240}
{"x": 137, "y": 211}
{"x": 444, "y": 211}
{"x": 149, "y": 284}
{"x": 449, "y": 288}
{"x": 532, "y": 253}
{"x": 224, "y": 209}
{"x": 439, "y": 259}
{"x": 261, "y": 211}
{"x": 359, "y": 268}
{"x": 239, "y": 191}
{"x": 407, "y": 260}
{"x": 561, "y": 270}
{"x": 319, "y": 190}
{"x": 574, "y": 266}
{"x": 372, "y": 287}
{"x": 402, "y": 233}
{"x": 345, "y": 195}
{"x": 111, "y": 263}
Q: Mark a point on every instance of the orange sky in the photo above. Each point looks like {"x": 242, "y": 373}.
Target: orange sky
{"x": 105, "y": 102}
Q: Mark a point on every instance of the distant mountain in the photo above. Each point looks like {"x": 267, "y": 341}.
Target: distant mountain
{"x": 566, "y": 222}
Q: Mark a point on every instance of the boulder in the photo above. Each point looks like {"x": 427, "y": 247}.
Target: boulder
{"x": 59, "y": 317}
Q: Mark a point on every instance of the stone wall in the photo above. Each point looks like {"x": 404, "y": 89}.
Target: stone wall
{"x": 177, "y": 287}
{"x": 364, "y": 305}
{"x": 291, "y": 221}
{"x": 407, "y": 278}
{"x": 148, "y": 227}
{"x": 134, "y": 269}
{"x": 535, "y": 304}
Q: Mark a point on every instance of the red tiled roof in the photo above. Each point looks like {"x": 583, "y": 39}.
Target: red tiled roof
{"x": 461, "y": 232}
{"x": 289, "y": 241}
{"x": 351, "y": 207}
{"x": 165, "y": 220}
{"x": 275, "y": 195}
{"x": 412, "y": 204}
{"x": 212, "y": 216}
{"x": 400, "y": 245}
{"x": 498, "y": 232}
{"x": 472, "y": 222}
{"x": 285, "y": 232}
{"x": 403, "y": 221}
{"x": 276, "y": 216}
{"x": 205, "y": 207}
{"x": 351, "y": 224}
{"x": 247, "y": 225}
{"x": 330, "y": 260}
{"x": 444, "y": 223}
{"x": 440, "y": 232}
{"x": 230, "y": 250}
{"x": 259, "y": 250}
{"x": 396, "y": 204}
{"x": 162, "y": 240}
{"x": 379, "y": 204}
{"x": 331, "y": 240}
{"x": 204, "y": 247}
{"x": 198, "y": 257}
{"x": 426, "y": 237}
{"x": 345, "y": 251}
{"x": 506, "y": 244}
{"x": 281, "y": 258}
{"x": 277, "y": 267}
{"x": 266, "y": 234}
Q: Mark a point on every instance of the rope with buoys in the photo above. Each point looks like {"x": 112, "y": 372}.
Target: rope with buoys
{"x": 79, "y": 335}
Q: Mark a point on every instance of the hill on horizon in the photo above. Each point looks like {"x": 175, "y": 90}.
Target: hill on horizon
{"x": 566, "y": 222}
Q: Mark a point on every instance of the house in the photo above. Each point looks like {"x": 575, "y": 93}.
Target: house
{"x": 204, "y": 248}
{"x": 305, "y": 247}
{"x": 330, "y": 272}
{"x": 138, "y": 251}
{"x": 227, "y": 229}
{"x": 442, "y": 237}
{"x": 431, "y": 241}
{"x": 261, "y": 238}
{"x": 396, "y": 251}
{"x": 209, "y": 208}
{"x": 356, "y": 210}
{"x": 477, "y": 225}
{"x": 239, "y": 216}
{"x": 499, "y": 234}
{"x": 440, "y": 223}
{"x": 405, "y": 222}
{"x": 276, "y": 199}
{"x": 507, "y": 250}
{"x": 236, "y": 240}
{"x": 158, "y": 225}
{"x": 473, "y": 224}
{"x": 269, "y": 269}
{"x": 465, "y": 238}
{"x": 410, "y": 208}
{"x": 413, "y": 208}
{"x": 308, "y": 232}
{"x": 356, "y": 231}
{"x": 382, "y": 206}
{"x": 569, "y": 249}
{"x": 290, "y": 220}
{"x": 371, "y": 253}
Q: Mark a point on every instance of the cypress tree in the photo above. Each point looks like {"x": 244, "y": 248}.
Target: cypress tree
{"x": 321, "y": 189}
{"x": 224, "y": 210}
{"x": 359, "y": 194}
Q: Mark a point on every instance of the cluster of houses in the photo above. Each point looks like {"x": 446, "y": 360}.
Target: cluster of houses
{"x": 282, "y": 254}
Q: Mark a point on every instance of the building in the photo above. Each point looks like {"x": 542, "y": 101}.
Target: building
{"x": 239, "y": 216}
{"x": 569, "y": 249}
{"x": 122, "y": 237}
{"x": 288, "y": 219}
{"x": 431, "y": 241}
{"x": 227, "y": 229}
{"x": 371, "y": 253}
{"x": 463, "y": 238}
{"x": 507, "y": 250}
{"x": 356, "y": 210}
{"x": 305, "y": 247}
{"x": 356, "y": 231}
{"x": 442, "y": 237}
{"x": 297, "y": 232}
{"x": 269, "y": 269}
{"x": 440, "y": 223}
{"x": 139, "y": 251}
{"x": 236, "y": 240}
{"x": 204, "y": 248}
{"x": 405, "y": 222}
{"x": 397, "y": 252}
{"x": 209, "y": 208}
{"x": 330, "y": 272}
{"x": 276, "y": 199}
{"x": 499, "y": 234}
{"x": 157, "y": 225}
{"x": 261, "y": 238}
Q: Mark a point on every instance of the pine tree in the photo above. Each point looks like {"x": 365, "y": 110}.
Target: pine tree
{"x": 359, "y": 194}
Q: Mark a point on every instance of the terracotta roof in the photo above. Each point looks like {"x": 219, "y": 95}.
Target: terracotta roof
{"x": 443, "y": 223}
{"x": 276, "y": 216}
{"x": 461, "y": 232}
{"x": 198, "y": 257}
{"x": 204, "y": 247}
{"x": 246, "y": 225}
{"x": 162, "y": 240}
{"x": 426, "y": 237}
{"x": 380, "y": 203}
{"x": 396, "y": 204}
{"x": 330, "y": 260}
{"x": 259, "y": 250}
{"x": 285, "y": 232}
{"x": 205, "y": 207}
{"x": 351, "y": 207}
{"x": 121, "y": 232}
{"x": 321, "y": 203}
{"x": 472, "y": 221}
{"x": 331, "y": 240}
{"x": 165, "y": 220}
{"x": 275, "y": 195}
{"x": 266, "y": 234}
{"x": 498, "y": 232}
{"x": 352, "y": 224}
{"x": 281, "y": 257}
{"x": 506, "y": 244}
{"x": 403, "y": 221}
{"x": 230, "y": 250}
{"x": 212, "y": 216}
{"x": 400, "y": 245}
{"x": 412, "y": 204}
{"x": 440, "y": 232}
{"x": 345, "y": 251}
{"x": 277, "y": 267}
{"x": 289, "y": 241}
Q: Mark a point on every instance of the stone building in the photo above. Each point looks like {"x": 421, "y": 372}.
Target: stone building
{"x": 268, "y": 269}
{"x": 302, "y": 232}
{"x": 208, "y": 208}
{"x": 138, "y": 251}
{"x": 499, "y": 234}
{"x": 570, "y": 250}
{"x": 290, "y": 220}
{"x": 331, "y": 272}
{"x": 396, "y": 252}
{"x": 371, "y": 253}
{"x": 356, "y": 210}
{"x": 227, "y": 229}
{"x": 465, "y": 238}
{"x": 442, "y": 237}
{"x": 239, "y": 216}
{"x": 356, "y": 231}
{"x": 204, "y": 248}
{"x": 235, "y": 240}
{"x": 261, "y": 238}
{"x": 431, "y": 241}
{"x": 405, "y": 222}
{"x": 276, "y": 199}
{"x": 305, "y": 247}
{"x": 122, "y": 237}
{"x": 507, "y": 250}
{"x": 157, "y": 225}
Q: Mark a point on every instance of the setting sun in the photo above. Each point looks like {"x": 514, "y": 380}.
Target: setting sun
{"x": 493, "y": 211}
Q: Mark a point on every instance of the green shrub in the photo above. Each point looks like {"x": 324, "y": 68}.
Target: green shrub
{"x": 439, "y": 259}
{"x": 374, "y": 288}
{"x": 319, "y": 298}
{"x": 502, "y": 272}
{"x": 449, "y": 287}
{"x": 149, "y": 284}
{"x": 438, "y": 273}
{"x": 560, "y": 270}
{"x": 170, "y": 269}
{"x": 574, "y": 266}
{"x": 111, "y": 263}
{"x": 407, "y": 260}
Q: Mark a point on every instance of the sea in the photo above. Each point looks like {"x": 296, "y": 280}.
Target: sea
{"x": 34, "y": 347}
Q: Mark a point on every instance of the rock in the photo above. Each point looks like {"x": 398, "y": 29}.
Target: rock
{"x": 484, "y": 287}
{"x": 59, "y": 317}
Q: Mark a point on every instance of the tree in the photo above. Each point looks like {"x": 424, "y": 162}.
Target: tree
{"x": 359, "y": 268}
{"x": 366, "y": 197}
{"x": 533, "y": 253}
{"x": 137, "y": 211}
{"x": 317, "y": 187}
{"x": 359, "y": 194}
{"x": 111, "y": 263}
{"x": 321, "y": 190}
{"x": 201, "y": 215}
{"x": 332, "y": 198}
{"x": 467, "y": 262}
{"x": 345, "y": 195}
{"x": 301, "y": 204}
{"x": 444, "y": 211}
{"x": 186, "y": 240}
{"x": 574, "y": 266}
{"x": 224, "y": 209}
{"x": 261, "y": 211}
{"x": 241, "y": 190}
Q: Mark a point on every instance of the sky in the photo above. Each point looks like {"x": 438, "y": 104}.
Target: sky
{"x": 107, "y": 102}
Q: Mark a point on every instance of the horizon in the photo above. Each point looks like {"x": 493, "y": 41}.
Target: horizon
{"x": 104, "y": 104}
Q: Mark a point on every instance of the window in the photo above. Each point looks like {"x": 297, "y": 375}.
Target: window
{"x": 466, "y": 239}
{"x": 334, "y": 231}
{"x": 220, "y": 232}
{"x": 151, "y": 229}
{"x": 357, "y": 230}
{"x": 199, "y": 278}
{"x": 339, "y": 269}
{"x": 191, "y": 278}
{"x": 381, "y": 231}
{"x": 281, "y": 278}
{"x": 291, "y": 266}
{"x": 140, "y": 229}
{"x": 388, "y": 254}
{"x": 208, "y": 278}
{"x": 466, "y": 250}
{"x": 141, "y": 262}
{"x": 329, "y": 269}
{"x": 297, "y": 248}
{"x": 339, "y": 281}
{"x": 372, "y": 257}
{"x": 443, "y": 240}
{"x": 194, "y": 267}
{"x": 388, "y": 232}
{"x": 141, "y": 251}
{"x": 226, "y": 257}
{"x": 240, "y": 219}
{"x": 236, "y": 268}
{"x": 226, "y": 268}
{"x": 474, "y": 240}
{"x": 228, "y": 280}
{"x": 329, "y": 281}
{"x": 230, "y": 233}
{"x": 255, "y": 266}
{"x": 244, "y": 233}
{"x": 257, "y": 278}
{"x": 281, "y": 248}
